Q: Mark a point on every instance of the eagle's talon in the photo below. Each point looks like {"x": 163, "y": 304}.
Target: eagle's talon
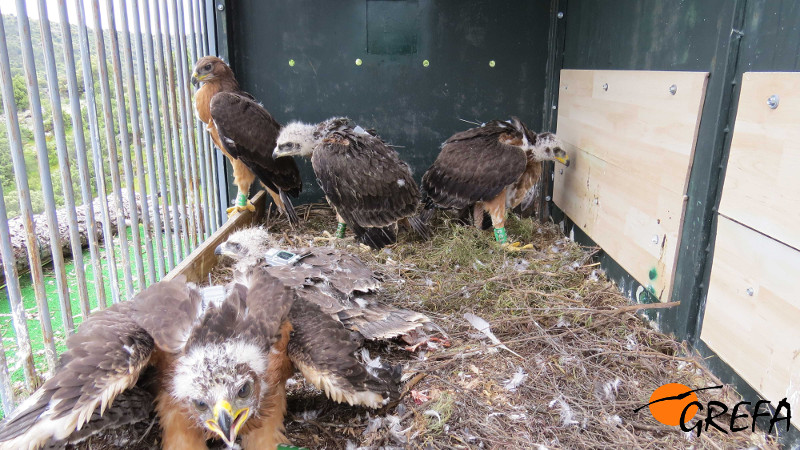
{"x": 236, "y": 209}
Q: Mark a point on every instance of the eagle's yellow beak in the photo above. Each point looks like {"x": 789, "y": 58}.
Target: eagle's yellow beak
{"x": 225, "y": 423}
{"x": 196, "y": 79}
{"x": 562, "y": 157}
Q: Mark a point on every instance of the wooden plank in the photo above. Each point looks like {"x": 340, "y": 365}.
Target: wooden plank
{"x": 761, "y": 188}
{"x": 631, "y": 148}
{"x": 199, "y": 263}
{"x": 757, "y": 335}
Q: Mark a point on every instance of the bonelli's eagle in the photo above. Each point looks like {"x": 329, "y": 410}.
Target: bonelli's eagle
{"x": 245, "y": 132}
{"x": 488, "y": 168}
{"x": 342, "y": 285}
{"x": 219, "y": 366}
{"x": 364, "y": 179}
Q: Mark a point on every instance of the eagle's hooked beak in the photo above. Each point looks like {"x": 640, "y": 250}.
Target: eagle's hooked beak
{"x": 195, "y": 79}
{"x": 562, "y": 157}
{"x": 218, "y": 250}
{"x": 225, "y": 423}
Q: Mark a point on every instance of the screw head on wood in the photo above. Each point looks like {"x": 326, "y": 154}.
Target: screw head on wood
{"x": 673, "y": 89}
{"x": 561, "y": 171}
{"x": 750, "y": 291}
{"x": 548, "y": 198}
{"x": 560, "y": 15}
{"x": 220, "y": 7}
{"x": 773, "y": 101}
{"x": 655, "y": 239}
{"x": 605, "y": 86}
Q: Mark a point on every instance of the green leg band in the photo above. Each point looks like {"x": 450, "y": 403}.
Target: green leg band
{"x": 500, "y": 235}
{"x": 290, "y": 447}
{"x": 340, "y": 230}
{"x": 241, "y": 199}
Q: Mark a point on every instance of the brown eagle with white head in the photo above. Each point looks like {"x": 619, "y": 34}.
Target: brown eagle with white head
{"x": 364, "y": 179}
{"x": 245, "y": 132}
{"x": 488, "y": 168}
{"x": 219, "y": 365}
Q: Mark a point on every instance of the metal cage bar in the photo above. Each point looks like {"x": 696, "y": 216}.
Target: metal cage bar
{"x": 66, "y": 176}
{"x": 176, "y": 133}
{"x": 130, "y": 81}
{"x": 44, "y": 171}
{"x": 24, "y": 351}
{"x": 99, "y": 168}
{"x": 80, "y": 154}
{"x": 152, "y": 145}
{"x": 125, "y": 149}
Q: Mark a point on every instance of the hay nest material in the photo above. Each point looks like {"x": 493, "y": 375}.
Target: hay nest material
{"x": 576, "y": 358}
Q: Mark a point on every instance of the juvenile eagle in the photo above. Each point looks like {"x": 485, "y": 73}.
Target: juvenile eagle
{"x": 488, "y": 168}
{"x": 245, "y": 132}
{"x": 364, "y": 180}
{"x": 339, "y": 283}
{"x": 219, "y": 366}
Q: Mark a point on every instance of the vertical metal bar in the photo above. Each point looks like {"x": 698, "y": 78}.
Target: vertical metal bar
{"x": 6, "y": 393}
{"x": 111, "y": 147}
{"x": 172, "y": 206}
{"x": 221, "y": 49}
{"x": 137, "y": 146}
{"x": 97, "y": 157}
{"x": 44, "y": 165}
{"x": 80, "y": 154}
{"x": 200, "y": 157}
{"x": 63, "y": 162}
{"x": 173, "y": 106}
{"x": 23, "y": 190}
{"x": 214, "y": 185}
{"x": 122, "y": 117}
{"x": 153, "y": 149}
{"x": 186, "y": 136}
{"x": 24, "y": 352}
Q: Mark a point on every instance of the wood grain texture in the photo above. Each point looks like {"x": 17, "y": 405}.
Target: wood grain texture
{"x": 198, "y": 264}
{"x": 757, "y": 335}
{"x": 631, "y": 148}
{"x": 762, "y": 188}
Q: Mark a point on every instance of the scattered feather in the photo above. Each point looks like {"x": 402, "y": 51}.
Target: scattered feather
{"x": 567, "y": 417}
{"x": 516, "y": 380}
{"x": 484, "y": 327}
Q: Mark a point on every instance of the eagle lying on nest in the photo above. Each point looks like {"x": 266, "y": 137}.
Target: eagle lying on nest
{"x": 339, "y": 283}
{"x": 488, "y": 168}
{"x": 245, "y": 132}
{"x": 364, "y": 180}
{"x": 217, "y": 367}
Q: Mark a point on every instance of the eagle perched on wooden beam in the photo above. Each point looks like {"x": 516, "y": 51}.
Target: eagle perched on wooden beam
{"x": 364, "y": 180}
{"x": 219, "y": 365}
{"x": 245, "y": 132}
{"x": 488, "y": 168}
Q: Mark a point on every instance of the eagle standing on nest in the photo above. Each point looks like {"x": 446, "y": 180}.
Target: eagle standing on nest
{"x": 364, "y": 180}
{"x": 488, "y": 168}
{"x": 245, "y": 132}
{"x": 219, "y": 366}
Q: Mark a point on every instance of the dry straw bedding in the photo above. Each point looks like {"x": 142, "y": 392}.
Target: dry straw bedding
{"x": 580, "y": 359}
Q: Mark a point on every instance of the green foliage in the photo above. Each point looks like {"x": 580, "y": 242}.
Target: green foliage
{"x": 20, "y": 93}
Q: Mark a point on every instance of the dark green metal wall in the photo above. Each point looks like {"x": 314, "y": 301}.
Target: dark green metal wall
{"x": 410, "y": 105}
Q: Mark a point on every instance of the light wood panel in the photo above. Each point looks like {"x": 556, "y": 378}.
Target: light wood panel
{"x": 631, "y": 147}
{"x": 757, "y": 335}
{"x": 762, "y": 182}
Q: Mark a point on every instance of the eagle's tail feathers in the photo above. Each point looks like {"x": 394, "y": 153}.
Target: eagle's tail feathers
{"x": 420, "y": 226}
{"x": 288, "y": 208}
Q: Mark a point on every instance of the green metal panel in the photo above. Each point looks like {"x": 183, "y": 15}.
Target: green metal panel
{"x": 299, "y": 59}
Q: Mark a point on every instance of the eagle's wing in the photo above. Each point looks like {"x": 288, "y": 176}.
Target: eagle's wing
{"x": 322, "y": 350}
{"x": 104, "y": 358}
{"x": 364, "y": 179}
{"x": 248, "y": 132}
{"x": 473, "y": 166}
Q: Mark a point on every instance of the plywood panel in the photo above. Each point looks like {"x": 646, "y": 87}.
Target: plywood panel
{"x": 757, "y": 335}
{"x": 762, "y": 182}
{"x": 631, "y": 146}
